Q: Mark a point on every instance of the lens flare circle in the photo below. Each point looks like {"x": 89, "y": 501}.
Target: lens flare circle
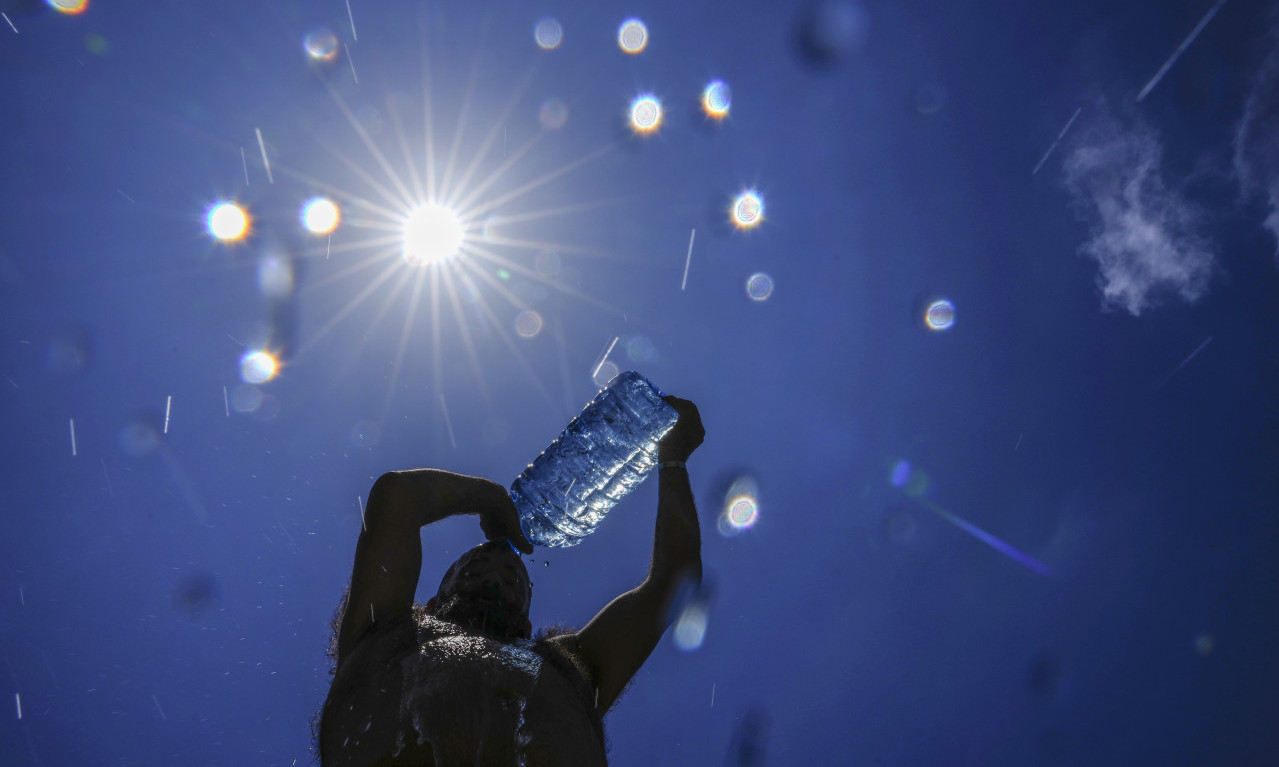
{"x": 717, "y": 99}
{"x": 528, "y": 323}
{"x": 553, "y": 114}
{"x": 275, "y": 277}
{"x": 605, "y": 373}
{"x": 139, "y": 438}
{"x": 748, "y": 210}
{"x": 743, "y": 512}
{"x": 900, "y": 474}
{"x": 246, "y": 399}
{"x": 547, "y": 263}
{"x": 69, "y": 7}
{"x": 759, "y": 286}
{"x": 257, "y": 367}
{"x": 432, "y": 233}
{"x": 646, "y": 114}
{"x": 740, "y": 510}
{"x": 690, "y": 630}
{"x": 632, "y": 36}
{"x": 320, "y": 215}
{"x": 548, "y": 33}
{"x": 940, "y": 315}
{"x": 320, "y": 44}
{"x": 227, "y": 222}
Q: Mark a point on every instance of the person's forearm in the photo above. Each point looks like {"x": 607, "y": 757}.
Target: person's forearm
{"x": 677, "y": 540}
{"x": 421, "y": 495}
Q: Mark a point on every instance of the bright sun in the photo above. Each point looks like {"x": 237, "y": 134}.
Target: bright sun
{"x": 432, "y": 233}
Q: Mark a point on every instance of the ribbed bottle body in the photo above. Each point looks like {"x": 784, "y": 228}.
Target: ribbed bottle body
{"x": 605, "y": 452}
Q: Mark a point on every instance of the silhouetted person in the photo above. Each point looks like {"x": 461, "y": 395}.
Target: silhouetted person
{"x": 461, "y": 680}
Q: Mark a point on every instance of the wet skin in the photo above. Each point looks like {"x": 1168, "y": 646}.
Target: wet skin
{"x": 430, "y": 693}
{"x": 459, "y": 682}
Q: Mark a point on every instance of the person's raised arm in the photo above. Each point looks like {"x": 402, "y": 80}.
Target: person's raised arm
{"x": 388, "y": 555}
{"x": 620, "y": 638}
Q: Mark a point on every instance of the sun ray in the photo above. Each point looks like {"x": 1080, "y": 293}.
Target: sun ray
{"x": 350, "y": 270}
{"x": 406, "y": 196}
{"x": 524, "y": 244}
{"x": 566, "y": 378}
{"x": 419, "y": 192}
{"x": 465, "y": 332}
{"x": 580, "y": 207}
{"x": 354, "y": 356}
{"x": 350, "y": 306}
{"x": 495, "y": 283}
{"x": 502, "y": 333}
{"x": 403, "y": 346}
{"x": 428, "y": 126}
{"x": 536, "y": 276}
{"x": 463, "y": 112}
{"x": 491, "y": 137}
{"x": 399, "y": 206}
{"x": 385, "y": 306}
{"x": 343, "y": 196}
{"x": 540, "y": 181}
{"x": 496, "y": 175}
{"x": 437, "y": 367}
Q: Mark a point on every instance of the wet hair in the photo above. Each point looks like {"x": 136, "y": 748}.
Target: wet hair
{"x": 331, "y": 652}
{"x": 419, "y": 613}
{"x": 483, "y": 548}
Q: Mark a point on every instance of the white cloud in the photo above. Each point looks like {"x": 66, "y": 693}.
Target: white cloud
{"x": 1257, "y": 136}
{"x": 1143, "y": 235}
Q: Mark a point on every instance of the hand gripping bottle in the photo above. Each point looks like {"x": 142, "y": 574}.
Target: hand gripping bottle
{"x": 605, "y": 452}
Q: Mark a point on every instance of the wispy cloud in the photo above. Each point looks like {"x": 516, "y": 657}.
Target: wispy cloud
{"x": 1257, "y": 135}
{"x": 1144, "y": 235}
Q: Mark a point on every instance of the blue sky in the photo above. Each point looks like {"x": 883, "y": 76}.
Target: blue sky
{"x": 1043, "y": 535}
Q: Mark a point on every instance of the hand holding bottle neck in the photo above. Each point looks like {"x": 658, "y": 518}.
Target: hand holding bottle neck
{"x": 684, "y": 437}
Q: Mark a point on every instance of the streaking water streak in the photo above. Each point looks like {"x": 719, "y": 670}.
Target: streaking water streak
{"x": 604, "y": 359}
{"x": 1185, "y": 362}
{"x": 15, "y": 31}
{"x": 1180, "y": 49}
{"x": 1056, "y": 141}
{"x": 265, "y": 161}
{"x": 73, "y": 438}
{"x": 351, "y": 16}
{"x": 244, "y": 160}
{"x": 168, "y": 406}
{"x": 351, "y": 61}
{"x": 448, "y": 422}
{"x": 1007, "y": 549}
{"x": 688, "y": 259}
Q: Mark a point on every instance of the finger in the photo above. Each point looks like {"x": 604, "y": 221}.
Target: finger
{"x": 515, "y": 533}
{"x": 521, "y": 543}
{"x": 507, "y": 525}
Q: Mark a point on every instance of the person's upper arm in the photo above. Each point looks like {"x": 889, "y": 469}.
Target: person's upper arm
{"x": 620, "y": 638}
{"x": 388, "y": 563}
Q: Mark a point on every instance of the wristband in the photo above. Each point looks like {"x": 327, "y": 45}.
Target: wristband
{"x": 674, "y": 465}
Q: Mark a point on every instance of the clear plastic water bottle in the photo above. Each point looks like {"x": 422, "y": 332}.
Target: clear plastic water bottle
{"x": 605, "y": 452}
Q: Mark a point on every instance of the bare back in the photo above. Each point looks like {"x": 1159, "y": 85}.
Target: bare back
{"x": 427, "y": 693}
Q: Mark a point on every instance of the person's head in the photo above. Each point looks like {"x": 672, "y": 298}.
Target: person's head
{"x": 488, "y": 591}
